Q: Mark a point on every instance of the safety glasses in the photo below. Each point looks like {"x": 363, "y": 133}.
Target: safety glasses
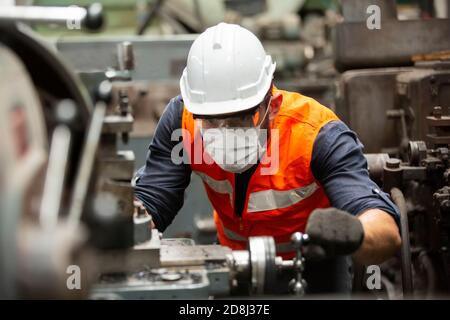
{"x": 249, "y": 119}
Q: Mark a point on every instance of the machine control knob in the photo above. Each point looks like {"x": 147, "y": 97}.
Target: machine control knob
{"x": 298, "y": 285}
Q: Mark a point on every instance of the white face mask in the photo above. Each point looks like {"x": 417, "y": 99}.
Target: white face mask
{"x": 235, "y": 149}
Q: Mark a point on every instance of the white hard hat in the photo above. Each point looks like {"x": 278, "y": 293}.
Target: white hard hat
{"x": 227, "y": 71}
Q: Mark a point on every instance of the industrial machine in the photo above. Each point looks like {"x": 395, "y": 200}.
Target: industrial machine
{"x": 401, "y": 85}
{"x": 67, "y": 196}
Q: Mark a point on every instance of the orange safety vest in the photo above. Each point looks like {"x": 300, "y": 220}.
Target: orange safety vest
{"x": 276, "y": 205}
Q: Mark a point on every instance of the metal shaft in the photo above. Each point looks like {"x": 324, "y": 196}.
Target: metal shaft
{"x": 73, "y": 17}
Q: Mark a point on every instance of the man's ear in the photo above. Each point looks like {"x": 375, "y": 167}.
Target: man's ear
{"x": 275, "y": 105}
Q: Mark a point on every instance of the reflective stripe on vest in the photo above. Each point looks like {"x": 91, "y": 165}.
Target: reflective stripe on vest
{"x": 220, "y": 186}
{"x": 263, "y": 200}
{"x": 276, "y": 199}
{"x": 282, "y": 247}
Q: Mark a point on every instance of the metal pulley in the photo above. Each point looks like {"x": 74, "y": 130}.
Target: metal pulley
{"x": 262, "y": 261}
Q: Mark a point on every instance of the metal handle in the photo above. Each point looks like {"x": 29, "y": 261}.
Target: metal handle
{"x": 86, "y": 166}
{"x": 73, "y": 17}
{"x": 54, "y": 181}
{"x": 298, "y": 285}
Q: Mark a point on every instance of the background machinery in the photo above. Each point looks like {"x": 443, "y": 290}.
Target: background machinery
{"x": 67, "y": 197}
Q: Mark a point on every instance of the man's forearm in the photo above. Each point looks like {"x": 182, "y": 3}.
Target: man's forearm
{"x": 381, "y": 237}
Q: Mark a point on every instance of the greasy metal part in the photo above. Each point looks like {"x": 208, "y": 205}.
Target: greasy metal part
{"x": 90, "y": 18}
{"x": 419, "y": 92}
{"x": 358, "y": 97}
{"x": 379, "y": 163}
{"x": 142, "y": 226}
{"x": 375, "y": 164}
{"x": 417, "y": 151}
{"x": 439, "y": 124}
{"x": 392, "y": 174}
{"x": 407, "y": 277}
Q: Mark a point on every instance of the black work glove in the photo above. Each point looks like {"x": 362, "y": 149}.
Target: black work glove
{"x": 332, "y": 232}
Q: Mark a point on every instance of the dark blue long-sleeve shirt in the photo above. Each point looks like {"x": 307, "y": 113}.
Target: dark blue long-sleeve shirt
{"x": 338, "y": 163}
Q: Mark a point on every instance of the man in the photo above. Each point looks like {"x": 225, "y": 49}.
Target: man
{"x": 268, "y": 158}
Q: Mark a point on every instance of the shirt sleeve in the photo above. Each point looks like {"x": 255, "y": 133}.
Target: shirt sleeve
{"x": 161, "y": 183}
{"x": 338, "y": 163}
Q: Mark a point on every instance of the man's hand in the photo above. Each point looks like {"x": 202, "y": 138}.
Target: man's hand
{"x": 138, "y": 205}
{"x": 372, "y": 237}
{"x": 333, "y": 232}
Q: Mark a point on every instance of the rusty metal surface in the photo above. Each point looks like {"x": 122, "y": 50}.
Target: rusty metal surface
{"x": 420, "y": 90}
{"x": 363, "y": 98}
{"x": 358, "y": 47}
